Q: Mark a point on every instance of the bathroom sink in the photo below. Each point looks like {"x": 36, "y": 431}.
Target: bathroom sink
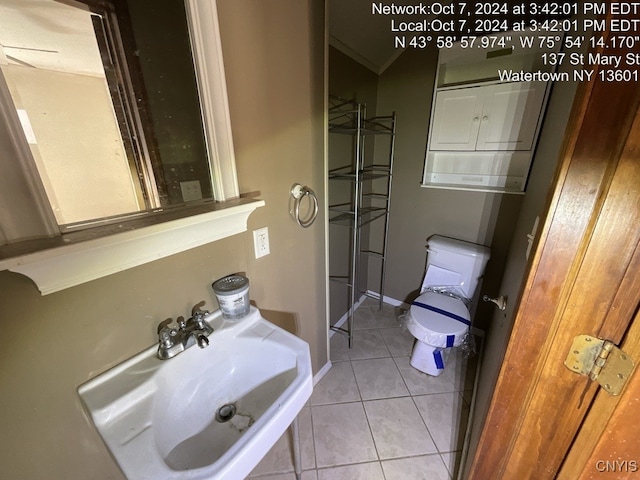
{"x": 207, "y": 413}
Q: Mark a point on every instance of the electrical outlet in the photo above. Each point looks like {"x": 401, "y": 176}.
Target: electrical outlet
{"x": 261, "y": 242}
{"x": 191, "y": 190}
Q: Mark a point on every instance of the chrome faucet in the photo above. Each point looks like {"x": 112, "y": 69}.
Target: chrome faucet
{"x": 195, "y": 330}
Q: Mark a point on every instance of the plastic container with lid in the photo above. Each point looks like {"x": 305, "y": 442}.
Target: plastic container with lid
{"x": 232, "y": 293}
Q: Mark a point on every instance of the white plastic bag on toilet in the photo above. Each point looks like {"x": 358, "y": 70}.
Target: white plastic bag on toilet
{"x": 452, "y": 290}
{"x": 429, "y": 337}
{"x": 468, "y": 345}
{"x": 403, "y": 318}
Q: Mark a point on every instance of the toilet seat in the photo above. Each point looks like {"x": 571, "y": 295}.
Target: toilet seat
{"x": 438, "y": 320}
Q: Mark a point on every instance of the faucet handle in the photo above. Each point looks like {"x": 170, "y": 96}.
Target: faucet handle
{"x": 163, "y": 325}
{"x": 197, "y": 308}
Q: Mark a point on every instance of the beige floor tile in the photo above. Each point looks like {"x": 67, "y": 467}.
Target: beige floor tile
{"x": 420, "y": 383}
{"x": 337, "y": 386}
{"x": 365, "y": 344}
{"x": 405, "y": 432}
{"x": 362, "y": 471}
{"x": 387, "y": 317}
{"x": 306, "y": 475}
{"x": 368, "y": 344}
{"x": 341, "y": 434}
{"x": 399, "y": 341}
{"x": 307, "y": 444}
{"x": 277, "y": 476}
{"x": 398, "y": 430}
{"x": 379, "y": 378}
{"x": 369, "y": 302}
{"x": 338, "y": 347}
{"x": 364, "y": 318}
{"x": 425, "y": 467}
{"x": 280, "y": 458}
{"x": 446, "y": 417}
{"x": 461, "y": 370}
{"x": 373, "y": 317}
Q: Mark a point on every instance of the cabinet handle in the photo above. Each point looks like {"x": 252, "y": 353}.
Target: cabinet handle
{"x": 476, "y": 119}
{"x": 485, "y": 118}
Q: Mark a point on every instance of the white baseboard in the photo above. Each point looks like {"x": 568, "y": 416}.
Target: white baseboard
{"x": 369, "y": 294}
{"x": 388, "y": 300}
{"x": 343, "y": 318}
{"x": 321, "y": 373}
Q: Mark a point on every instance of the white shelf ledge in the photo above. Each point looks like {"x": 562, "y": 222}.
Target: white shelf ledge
{"x": 66, "y": 266}
{"x": 472, "y": 188}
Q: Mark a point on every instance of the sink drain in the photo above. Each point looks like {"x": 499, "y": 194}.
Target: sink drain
{"x": 225, "y": 413}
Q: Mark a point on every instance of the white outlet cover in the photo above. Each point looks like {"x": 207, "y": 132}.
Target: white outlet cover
{"x": 191, "y": 190}
{"x": 261, "y": 242}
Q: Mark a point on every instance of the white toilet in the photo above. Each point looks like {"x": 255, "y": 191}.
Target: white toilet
{"x": 439, "y": 317}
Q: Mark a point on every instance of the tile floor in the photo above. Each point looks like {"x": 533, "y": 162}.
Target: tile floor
{"x": 373, "y": 416}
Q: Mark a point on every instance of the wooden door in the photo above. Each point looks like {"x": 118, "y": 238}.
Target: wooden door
{"x": 608, "y": 444}
{"x": 584, "y": 279}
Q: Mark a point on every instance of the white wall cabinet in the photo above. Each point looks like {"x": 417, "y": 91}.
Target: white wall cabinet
{"x": 503, "y": 116}
{"x": 482, "y": 137}
{"x": 483, "y": 131}
{"x": 456, "y": 119}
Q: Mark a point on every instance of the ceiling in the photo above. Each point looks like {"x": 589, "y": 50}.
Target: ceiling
{"x": 366, "y": 37}
{"x": 362, "y": 35}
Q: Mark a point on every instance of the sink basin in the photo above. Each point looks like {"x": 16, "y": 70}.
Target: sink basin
{"x": 208, "y": 413}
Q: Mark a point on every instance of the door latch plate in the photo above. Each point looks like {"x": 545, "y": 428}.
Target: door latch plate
{"x": 602, "y": 361}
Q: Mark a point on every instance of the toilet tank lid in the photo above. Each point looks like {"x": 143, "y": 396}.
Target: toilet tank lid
{"x": 437, "y": 243}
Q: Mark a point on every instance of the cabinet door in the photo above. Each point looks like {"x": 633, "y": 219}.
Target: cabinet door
{"x": 456, "y": 119}
{"x": 510, "y": 116}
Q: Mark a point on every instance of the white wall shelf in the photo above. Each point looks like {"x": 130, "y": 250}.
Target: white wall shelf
{"x": 55, "y": 269}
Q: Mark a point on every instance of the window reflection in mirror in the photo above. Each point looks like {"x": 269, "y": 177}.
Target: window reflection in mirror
{"x": 107, "y": 97}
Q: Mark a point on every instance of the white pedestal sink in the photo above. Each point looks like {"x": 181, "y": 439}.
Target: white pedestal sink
{"x": 209, "y": 413}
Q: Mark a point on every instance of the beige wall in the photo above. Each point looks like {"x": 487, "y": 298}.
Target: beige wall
{"x": 53, "y": 344}
{"x": 416, "y": 213}
{"x": 274, "y": 60}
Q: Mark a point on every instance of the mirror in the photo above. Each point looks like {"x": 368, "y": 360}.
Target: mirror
{"x": 107, "y": 97}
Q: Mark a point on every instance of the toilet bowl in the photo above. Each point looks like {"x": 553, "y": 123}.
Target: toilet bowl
{"x": 439, "y": 318}
{"x": 438, "y": 322}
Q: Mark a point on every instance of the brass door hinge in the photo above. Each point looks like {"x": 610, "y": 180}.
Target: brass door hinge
{"x": 602, "y": 361}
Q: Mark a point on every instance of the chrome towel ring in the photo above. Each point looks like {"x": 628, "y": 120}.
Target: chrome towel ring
{"x": 298, "y": 192}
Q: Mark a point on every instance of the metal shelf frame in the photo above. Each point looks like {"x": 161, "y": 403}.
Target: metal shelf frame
{"x": 348, "y": 117}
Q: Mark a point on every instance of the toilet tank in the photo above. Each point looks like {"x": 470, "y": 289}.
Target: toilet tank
{"x": 455, "y": 262}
